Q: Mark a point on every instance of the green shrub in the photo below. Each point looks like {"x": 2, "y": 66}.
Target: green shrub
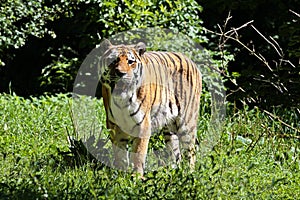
{"x": 57, "y": 33}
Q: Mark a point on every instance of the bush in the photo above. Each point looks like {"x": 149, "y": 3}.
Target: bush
{"x": 256, "y": 84}
{"x": 44, "y": 42}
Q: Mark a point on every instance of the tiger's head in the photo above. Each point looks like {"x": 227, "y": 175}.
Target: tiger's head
{"x": 121, "y": 63}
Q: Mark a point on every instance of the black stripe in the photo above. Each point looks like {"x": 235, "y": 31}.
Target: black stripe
{"x": 168, "y": 133}
{"x": 168, "y": 67}
{"x": 154, "y": 68}
{"x": 165, "y": 59}
{"x": 180, "y": 71}
{"x": 195, "y": 86}
{"x": 149, "y": 56}
{"x": 111, "y": 112}
{"x": 188, "y": 99}
{"x": 138, "y": 123}
{"x": 195, "y": 72}
{"x": 141, "y": 69}
{"x": 160, "y": 75}
{"x": 177, "y": 104}
{"x": 162, "y": 70}
{"x": 188, "y": 62}
{"x": 124, "y": 140}
{"x": 161, "y": 58}
{"x": 155, "y": 93}
{"x": 130, "y": 99}
{"x": 158, "y": 109}
{"x": 170, "y": 106}
{"x": 129, "y": 102}
{"x": 153, "y": 56}
{"x": 170, "y": 57}
{"x": 135, "y": 112}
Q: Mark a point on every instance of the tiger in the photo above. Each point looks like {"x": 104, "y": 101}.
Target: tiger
{"x": 147, "y": 91}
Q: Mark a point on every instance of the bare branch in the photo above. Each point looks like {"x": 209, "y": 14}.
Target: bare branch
{"x": 233, "y": 34}
{"x": 289, "y": 62}
{"x": 236, "y": 29}
{"x": 227, "y": 20}
{"x": 279, "y": 53}
{"x": 261, "y": 58}
{"x": 234, "y": 91}
{"x": 276, "y": 117}
{"x": 298, "y": 15}
{"x": 278, "y": 46}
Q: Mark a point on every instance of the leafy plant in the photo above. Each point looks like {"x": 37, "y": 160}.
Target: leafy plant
{"x": 62, "y": 33}
{"x": 251, "y": 159}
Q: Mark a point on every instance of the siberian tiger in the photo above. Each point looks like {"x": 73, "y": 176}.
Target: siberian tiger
{"x": 144, "y": 92}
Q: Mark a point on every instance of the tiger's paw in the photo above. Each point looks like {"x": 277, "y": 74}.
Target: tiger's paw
{"x": 138, "y": 176}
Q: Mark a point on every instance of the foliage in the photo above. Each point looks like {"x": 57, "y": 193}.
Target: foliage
{"x": 40, "y": 38}
{"x": 20, "y": 19}
{"x": 43, "y": 43}
{"x": 59, "y": 75}
{"x": 276, "y": 20}
{"x": 252, "y": 160}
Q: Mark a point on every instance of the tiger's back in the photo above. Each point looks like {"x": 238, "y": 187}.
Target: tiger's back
{"x": 147, "y": 91}
{"x": 177, "y": 91}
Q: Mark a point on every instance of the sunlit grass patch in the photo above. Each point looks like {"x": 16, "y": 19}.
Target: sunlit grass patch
{"x": 256, "y": 157}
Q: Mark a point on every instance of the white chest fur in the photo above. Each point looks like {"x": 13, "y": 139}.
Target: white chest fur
{"x": 127, "y": 113}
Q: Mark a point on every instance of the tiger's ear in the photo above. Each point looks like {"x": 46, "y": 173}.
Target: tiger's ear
{"x": 140, "y": 48}
{"x": 102, "y": 47}
{"x": 106, "y": 44}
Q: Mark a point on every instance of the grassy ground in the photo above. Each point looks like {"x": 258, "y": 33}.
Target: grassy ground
{"x": 257, "y": 157}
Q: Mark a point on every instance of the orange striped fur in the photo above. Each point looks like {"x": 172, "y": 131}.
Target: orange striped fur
{"x": 144, "y": 92}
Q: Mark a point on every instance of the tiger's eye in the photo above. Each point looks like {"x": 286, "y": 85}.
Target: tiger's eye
{"x": 130, "y": 62}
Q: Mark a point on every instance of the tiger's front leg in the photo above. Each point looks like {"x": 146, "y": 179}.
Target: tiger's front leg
{"x": 120, "y": 143}
{"x": 140, "y": 146}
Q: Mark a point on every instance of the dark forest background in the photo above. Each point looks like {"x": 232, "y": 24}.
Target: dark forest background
{"x": 43, "y": 43}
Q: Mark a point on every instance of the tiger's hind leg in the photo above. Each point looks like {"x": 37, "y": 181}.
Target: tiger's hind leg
{"x": 187, "y": 142}
{"x": 172, "y": 143}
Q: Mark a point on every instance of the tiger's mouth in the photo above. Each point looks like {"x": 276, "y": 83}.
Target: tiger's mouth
{"x": 112, "y": 77}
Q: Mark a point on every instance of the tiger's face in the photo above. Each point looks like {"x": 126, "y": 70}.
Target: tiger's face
{"x": 120, "y": 64}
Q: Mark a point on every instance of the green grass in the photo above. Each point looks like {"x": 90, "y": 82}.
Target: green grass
{"x": 257, "y": 157}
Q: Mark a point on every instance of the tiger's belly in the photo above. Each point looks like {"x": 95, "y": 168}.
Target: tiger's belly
{"x": 163, "y": 116}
